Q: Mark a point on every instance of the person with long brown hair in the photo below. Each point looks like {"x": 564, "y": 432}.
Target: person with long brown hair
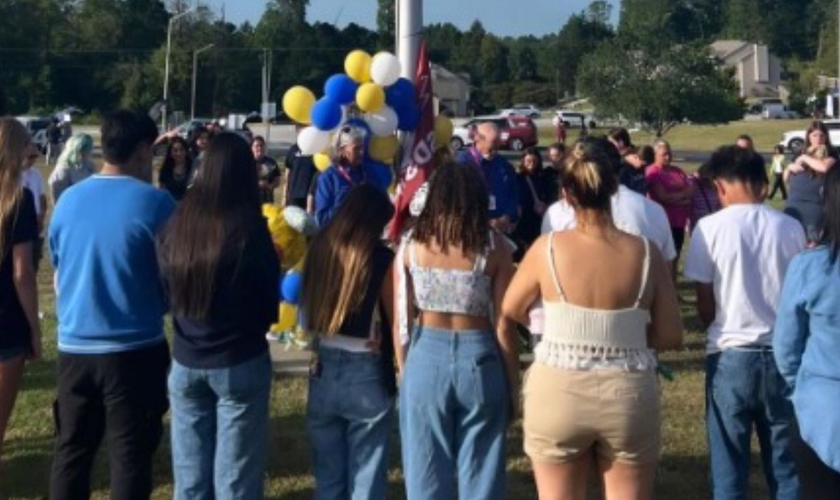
{"x": 461, "y": 371}
{"x": 21, "y": 331}
{"x": 806, "y": 176}
{"x": 176, "y": 173}
{"x": 221, "y": 273}
{"x": 592, "y": 391}
{"x": 346, "y": 304}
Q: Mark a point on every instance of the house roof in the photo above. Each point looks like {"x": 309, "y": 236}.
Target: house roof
{"x": 444, "y": 74}
{"x": 725, "y": 48}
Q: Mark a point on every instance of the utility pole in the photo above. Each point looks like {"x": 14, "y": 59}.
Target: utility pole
{"x": 165, "y": 117}
{"x": 194, "y": 74}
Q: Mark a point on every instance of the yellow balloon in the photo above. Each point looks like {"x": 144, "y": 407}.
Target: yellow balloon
{"x": 357, "y": 66}
{"x": 370, "y": 97}
{"x": 288, "y": 317}
{"x": 443, "y": 131}
{"x": 322, "y": 161}
{"x": 297, "y": 104}
{"x": 383, "y": 148}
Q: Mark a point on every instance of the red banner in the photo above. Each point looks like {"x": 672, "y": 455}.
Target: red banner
{"x": 417, "y": 161}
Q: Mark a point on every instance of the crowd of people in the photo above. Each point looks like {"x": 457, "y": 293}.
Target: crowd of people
{"x": 580, "y": 252}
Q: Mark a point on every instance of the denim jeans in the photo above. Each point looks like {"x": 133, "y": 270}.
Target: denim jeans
{"x": 744, "y": 389}
{"x": 453, "y": 416}
{"x": 349, "y": 418}
{"x": 220, "y": 429}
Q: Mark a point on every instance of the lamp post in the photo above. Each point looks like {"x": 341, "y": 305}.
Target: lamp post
{"x": 195, "y": 69}
{"x": 165, "y": 118}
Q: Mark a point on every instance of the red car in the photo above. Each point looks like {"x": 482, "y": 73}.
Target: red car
{"x": 515, "y": 132}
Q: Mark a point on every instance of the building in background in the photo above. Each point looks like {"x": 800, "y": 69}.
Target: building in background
{"x": 758, "y": 72}
{"x": 451, "y": 90}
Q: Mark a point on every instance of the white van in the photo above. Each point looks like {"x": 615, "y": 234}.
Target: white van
{"x": 776, "y": 111}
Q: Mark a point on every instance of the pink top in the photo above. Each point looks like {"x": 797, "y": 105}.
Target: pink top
{"x": 673, "y": 180}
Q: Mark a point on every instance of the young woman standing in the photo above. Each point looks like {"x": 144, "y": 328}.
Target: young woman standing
{"x": 460, "y": 376}
{"x": 21, "y": 332}
{"x": 176, "y": 172}
{"x": 346, "y": 305}
{"x": 592, "y": 391}
{"x": 221, "y": 272}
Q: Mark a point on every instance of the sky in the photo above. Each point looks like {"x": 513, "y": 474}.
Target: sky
{"x": 500, "y": 17}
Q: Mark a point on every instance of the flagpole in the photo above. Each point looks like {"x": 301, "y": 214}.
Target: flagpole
{"x": 409, "y": 32}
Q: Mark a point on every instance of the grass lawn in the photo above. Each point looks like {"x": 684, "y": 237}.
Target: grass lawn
{"x": 765, "y": 133}
{"x": 683, "y": 471}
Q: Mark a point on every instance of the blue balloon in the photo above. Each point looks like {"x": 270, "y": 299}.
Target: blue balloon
{"x": 400, "y": 93}
{"x": 280, "y": 287}
{"x": 341, "y": 88}
{"x": 291, "y": 287}
{"x": 409, "y": 117}
{"x": 326, "y": 114}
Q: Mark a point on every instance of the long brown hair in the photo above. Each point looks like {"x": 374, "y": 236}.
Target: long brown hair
{"x": 336, "y": 271}
{"x": 456, "y": 210}
{"x": 210, "y": 225}
{"x": 14, "y": 139}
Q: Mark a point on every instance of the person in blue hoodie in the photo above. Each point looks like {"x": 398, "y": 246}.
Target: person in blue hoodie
{"x": 806, "y": 344}
{"x": 497, "y": 173}
{"x": 349, "y": 169}
{"x": 112, "y": 352}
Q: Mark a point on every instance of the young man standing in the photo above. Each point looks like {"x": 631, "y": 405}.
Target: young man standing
{"x": 738, "y": 258}
{"x": 268, "y": 171}
{"x": 112, "y": 353}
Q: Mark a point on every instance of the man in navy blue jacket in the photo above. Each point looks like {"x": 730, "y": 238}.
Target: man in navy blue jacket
{"x": 498, "y": 174}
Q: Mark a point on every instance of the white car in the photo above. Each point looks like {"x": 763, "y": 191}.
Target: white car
{"x": 575, "y": 119}
{"x": 795, "y": 139}
{"x": 529, "y": 110}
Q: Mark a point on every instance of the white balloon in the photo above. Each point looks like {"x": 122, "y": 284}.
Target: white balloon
{"x": 312, "y": 141}
{"x": 384, "y": 122}
{"x": 385, "y": 69}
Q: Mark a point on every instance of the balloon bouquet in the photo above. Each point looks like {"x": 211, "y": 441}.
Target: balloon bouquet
{"x": 370, "y": 95}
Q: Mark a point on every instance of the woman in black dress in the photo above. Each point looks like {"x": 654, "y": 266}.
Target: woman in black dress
{"x": 176, "y": 173}
{"x": 537, "y": 189}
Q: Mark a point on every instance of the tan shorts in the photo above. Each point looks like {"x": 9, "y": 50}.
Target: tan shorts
{"x": 568, "y": 412}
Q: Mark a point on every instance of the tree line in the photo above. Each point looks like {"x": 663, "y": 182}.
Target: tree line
{"x": 100, "y": 54}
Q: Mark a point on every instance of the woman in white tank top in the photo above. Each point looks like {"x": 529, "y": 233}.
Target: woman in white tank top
{"x": 609, "y": 302}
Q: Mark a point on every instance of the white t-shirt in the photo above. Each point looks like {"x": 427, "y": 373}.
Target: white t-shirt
{"x": 31, "y": 179}
{"x": 631, "y": 212}
{"x": 743, "y": 251}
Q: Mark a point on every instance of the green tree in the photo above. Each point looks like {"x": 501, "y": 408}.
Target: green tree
{"x": 660, "y": 89}
{"x": 576, "y": 40}
{"x": 523, "y": 64}
{"x": 599, "y": 12}
{"x": 493, "y": 60}
{"x": 385, "y": 23}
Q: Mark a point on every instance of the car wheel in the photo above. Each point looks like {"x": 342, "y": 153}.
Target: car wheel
{"x": 796, "y": 144}
{"x": 517, "y": 145}
{"x": 566, "y": 124}
{"x": 592, "y": 124}
{"x": 456, "y": 143}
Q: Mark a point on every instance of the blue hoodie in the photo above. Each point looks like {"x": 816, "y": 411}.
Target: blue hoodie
{"x": 501, "y": 181}
{"x": 333, "y": 187}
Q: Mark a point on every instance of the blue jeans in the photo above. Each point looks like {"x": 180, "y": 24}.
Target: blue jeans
{"x": 220, "y": 429}
{"x": 349, "y": 420}
{"x": 453, "y": 416}
{"x": 744, "y": 389}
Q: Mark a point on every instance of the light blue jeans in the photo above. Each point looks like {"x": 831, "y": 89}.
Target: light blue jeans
{"x": 453, "y": 416}
{"x": 349, "y": 418}
{"x": 220, "y": 430}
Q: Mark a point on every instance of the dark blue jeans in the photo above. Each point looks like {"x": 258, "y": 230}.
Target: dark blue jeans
{"x": 744, "y": 389}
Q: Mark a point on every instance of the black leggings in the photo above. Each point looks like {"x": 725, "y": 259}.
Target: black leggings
{"x": 778, "y": 184}
{"x": 678, "y": 233}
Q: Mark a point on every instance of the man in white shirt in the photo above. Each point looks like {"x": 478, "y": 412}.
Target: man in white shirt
{"x": 31, "y": 179}
{"x": 738, "y": 258}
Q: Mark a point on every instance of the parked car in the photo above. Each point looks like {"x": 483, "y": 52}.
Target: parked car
{"x": 186, "y": 129}
{"x": 529, "y": 110}
{"x": 777, "y": 111}
{"x": 795, "y": 139}
{"x": 515, "y": 132}
{"x": 576, "y": 119}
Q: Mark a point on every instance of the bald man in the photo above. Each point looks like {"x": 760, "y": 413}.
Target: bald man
{"x": 498, "y": 174}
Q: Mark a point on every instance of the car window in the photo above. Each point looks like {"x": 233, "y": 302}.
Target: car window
{"x": 832, "y": 126}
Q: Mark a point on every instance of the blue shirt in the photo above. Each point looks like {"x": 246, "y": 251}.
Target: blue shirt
{"x": 501, "y": 183}
{"x": 109, "y": 297}
{"x": 806, "y": 344}
{"x": 334, "y": 184}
